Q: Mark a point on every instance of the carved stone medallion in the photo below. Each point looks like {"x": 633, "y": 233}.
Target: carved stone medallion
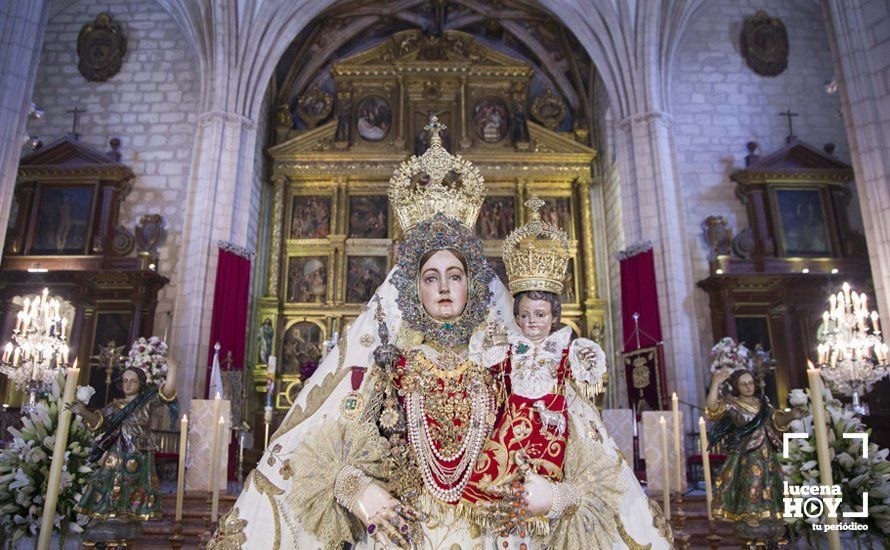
{"x": 549, "y": 109}
{"x": 314, "y": 106}
{"x": 718, "y": 236}
{"x": 150, "y": 233}
{"x": 101, "y": 46}
{"x": 765, "y": 44}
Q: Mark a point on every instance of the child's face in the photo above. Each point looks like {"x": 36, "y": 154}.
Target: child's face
{"x": 535, "y": 319}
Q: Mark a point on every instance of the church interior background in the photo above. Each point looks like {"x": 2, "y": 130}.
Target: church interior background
{"x": 142, "y": 140}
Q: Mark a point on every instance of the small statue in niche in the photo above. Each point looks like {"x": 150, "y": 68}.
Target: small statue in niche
{"x": 101, "y": 46}
{"x": 748, "y": 489}
{"x": 765, "y": 44}
{"x": 267, "y": 332}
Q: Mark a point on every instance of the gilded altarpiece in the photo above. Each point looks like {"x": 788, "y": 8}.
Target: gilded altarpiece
{"x": 332, "y": 234}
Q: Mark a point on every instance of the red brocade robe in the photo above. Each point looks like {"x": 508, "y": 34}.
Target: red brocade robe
{"x": 537, "y": 377}
{"x": 520, "y": 429}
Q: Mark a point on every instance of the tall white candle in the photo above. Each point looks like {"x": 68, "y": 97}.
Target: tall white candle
{"x": 834, "y": 540}
{"x": 666, "y": 499}
{"x": 217, "y": 452}
{"x": 706, "y": 463}
{"x": 55, "y": 469}
{"x": 180, "y": 477}
{"x": 675, "y": 409}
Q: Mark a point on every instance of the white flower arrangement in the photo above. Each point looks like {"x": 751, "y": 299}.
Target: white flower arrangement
{"x": 150, "y": 355}
{"x": 24, "y": 469}
{"x": 797, "y": 398}
{"x": 85, "y": 393}
{"x": 728, "y": 354}
{"x": 855, "y": 474}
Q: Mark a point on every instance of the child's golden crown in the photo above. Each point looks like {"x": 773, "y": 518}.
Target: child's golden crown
{"x": 536, "y": 254}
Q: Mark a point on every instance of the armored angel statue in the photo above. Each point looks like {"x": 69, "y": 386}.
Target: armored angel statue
{"x": 381, "y": 445}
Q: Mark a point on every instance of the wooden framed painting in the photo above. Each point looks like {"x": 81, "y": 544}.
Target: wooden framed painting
{"x": 557, "y": 211}
{"x": 364, "y": 274}
{"x": 491, "y": 119}
{"x": 310, "y": 217}
{"x": 373, "y": 119}
{"x": 62, "y": 221}
{"x": 301, "y": 349}
{"x": 307, "y": 279}
{"x": 801, "y": 221}
{"x": 369, "y": 216}
{"x": 497, "y": 218}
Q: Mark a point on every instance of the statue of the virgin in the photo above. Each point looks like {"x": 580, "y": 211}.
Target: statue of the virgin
{"x": 382, "y": 440}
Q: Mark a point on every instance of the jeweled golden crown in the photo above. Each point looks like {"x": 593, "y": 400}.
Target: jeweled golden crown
{"x": 536, "y": 254}
{"x": 436, "y": 182}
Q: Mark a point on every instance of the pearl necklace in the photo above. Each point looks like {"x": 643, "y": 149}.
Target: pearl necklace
{"x": 430, "y": 459}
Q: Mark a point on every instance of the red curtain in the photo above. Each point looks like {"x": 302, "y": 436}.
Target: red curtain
{"x": 639, "y": 294}
{"x": 229, "y": 323}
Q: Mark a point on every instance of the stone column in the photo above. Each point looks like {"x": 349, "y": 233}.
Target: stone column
{"x": 860, "y": 44}
{"x": 22, "y": 25}
{"x": 653, "y": 210}
{"x": 220, "y": 189}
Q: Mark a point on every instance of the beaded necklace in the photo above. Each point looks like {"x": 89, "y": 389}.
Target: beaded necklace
{"x": 462, "y": 407}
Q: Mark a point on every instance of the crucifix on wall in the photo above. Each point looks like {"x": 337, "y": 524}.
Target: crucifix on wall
{"x": 77, "y": 111}
{"x": 791, "y": 137}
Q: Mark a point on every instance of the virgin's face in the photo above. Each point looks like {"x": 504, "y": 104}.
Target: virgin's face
{"x": 130, "y": 383}
{"x": 746, "y": 385}
{"x": 535, "y": 319}
{"x": 443, "y": 286}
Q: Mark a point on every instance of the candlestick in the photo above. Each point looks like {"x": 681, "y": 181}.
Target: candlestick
{"x": 665, "y": 469}
{"x": 180, "y": 478}
{"x": 675, "y": 408}
{"x": 824, "y": 459}
{"x": 217, "y": 455}
{"x": 216, "y": 405}
{"x": 55, "y": 469}
{"x": 706, "y": 463}
{"x": 267, "y": 420}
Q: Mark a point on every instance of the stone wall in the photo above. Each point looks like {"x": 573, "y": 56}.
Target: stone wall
{"x": 150, "y": 105}
{"x": 718, "y": 104}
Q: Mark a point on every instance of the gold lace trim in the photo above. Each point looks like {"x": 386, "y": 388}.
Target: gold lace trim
{"x": 317, "y": 396}
{"x": 625, "y": 536}
{"x": 230, "y": 534}
{"x": 265, "y": 487}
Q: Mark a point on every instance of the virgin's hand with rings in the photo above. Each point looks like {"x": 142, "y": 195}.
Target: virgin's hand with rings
{"x": 385, "y": 518}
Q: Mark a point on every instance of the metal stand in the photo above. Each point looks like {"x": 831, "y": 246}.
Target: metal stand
{"x": 177, "y": 539}
{"x": 714, "y": 539}
{"x": 678, "y": 523}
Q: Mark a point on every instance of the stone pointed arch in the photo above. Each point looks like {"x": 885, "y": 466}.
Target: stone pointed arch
{"x": 239, "y": 43}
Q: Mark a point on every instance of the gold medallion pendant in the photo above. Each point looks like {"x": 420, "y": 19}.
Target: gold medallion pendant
{"x": 352, "y": 405}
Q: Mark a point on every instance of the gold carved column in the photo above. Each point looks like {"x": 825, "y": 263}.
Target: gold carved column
{"x": 594, "y": 307}
{"x": 275, "y": 234}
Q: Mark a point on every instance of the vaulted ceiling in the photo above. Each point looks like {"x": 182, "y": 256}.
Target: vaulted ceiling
{"x": 518, "y": 28}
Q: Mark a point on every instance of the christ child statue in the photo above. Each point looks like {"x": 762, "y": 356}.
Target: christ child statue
{"x": 534, "y": 364}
